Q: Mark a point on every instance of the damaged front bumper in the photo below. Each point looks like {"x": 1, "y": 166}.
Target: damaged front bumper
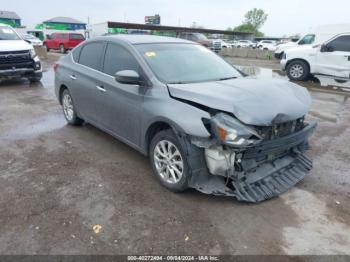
{"x": 257, "y": 173}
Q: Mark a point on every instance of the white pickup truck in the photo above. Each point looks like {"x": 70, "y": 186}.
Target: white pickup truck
{"x": 316, "y": 36}
{"x": 17, "y": 57}
{"x": 331, "y": 58}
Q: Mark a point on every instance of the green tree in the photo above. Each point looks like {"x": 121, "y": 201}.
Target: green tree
{"x": 254, "y": 20}
{"x": 256, "y": 17}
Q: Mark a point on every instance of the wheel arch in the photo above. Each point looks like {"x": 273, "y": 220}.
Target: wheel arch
{"x": 155, "y": 127}
{"x": 60, "y": 92}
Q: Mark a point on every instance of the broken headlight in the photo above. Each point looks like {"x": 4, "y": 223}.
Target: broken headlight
{"x": 232, "y": 132}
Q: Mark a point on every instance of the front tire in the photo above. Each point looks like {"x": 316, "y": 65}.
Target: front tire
{"x": 298, "y": 70}
{"x": 168, "y": 160}
{"x": 69, "y": 109}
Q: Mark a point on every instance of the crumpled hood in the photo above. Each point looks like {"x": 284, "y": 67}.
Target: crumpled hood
{"x": 14, "y": 45}
{"x": 253, "y": 101}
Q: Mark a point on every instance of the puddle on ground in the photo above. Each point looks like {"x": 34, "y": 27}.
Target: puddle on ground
{"x": 35, "y": 128}
{"x": 329, "y": 96}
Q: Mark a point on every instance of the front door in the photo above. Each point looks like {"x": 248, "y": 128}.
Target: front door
{"x": 122, "y": 102}
{"x": 334, "y": 58}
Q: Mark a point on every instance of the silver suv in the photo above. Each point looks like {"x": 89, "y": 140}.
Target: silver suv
{"x": 201, "y": 122}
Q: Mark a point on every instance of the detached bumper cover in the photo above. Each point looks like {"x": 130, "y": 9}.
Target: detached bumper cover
{"x": 275, "y": 183}
{"x": 267, "y": 180}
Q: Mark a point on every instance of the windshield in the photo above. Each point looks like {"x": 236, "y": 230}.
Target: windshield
{"x": 185, "y": 63}
{"x": 200, "y": 36}
{"x": 307, "y": 40}
{"x": 6, "y": 33}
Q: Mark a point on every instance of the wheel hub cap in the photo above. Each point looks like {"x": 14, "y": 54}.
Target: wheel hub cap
{"x": 68, "y": 107}
{"x": 168, "y": 162}
{"x": 296, "y": 71}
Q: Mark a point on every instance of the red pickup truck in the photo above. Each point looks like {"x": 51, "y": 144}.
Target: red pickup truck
{"x": 63, "y": 41}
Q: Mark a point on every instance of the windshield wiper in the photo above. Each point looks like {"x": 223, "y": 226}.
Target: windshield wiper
{"x": 227, "y": 78}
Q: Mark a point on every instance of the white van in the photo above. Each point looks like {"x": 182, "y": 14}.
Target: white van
{"x": 17, "y": 57}
{"x": 331, "y": 58}
{"x": 317, "y": 36}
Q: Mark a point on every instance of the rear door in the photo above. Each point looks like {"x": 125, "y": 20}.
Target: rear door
{"x": 74, "y": 40}
{"x": 57, "y": 41}
{"x": 121, "y": 102}
{"x": 84, "y": 81}
{"x": 334, "y": 58}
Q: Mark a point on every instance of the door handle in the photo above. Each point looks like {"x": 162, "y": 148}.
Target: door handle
{"x": 101, "y": 89}
{"x": 73, "y": 77}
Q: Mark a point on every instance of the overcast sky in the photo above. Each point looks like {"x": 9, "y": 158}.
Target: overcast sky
{"x": 285, "y": 17}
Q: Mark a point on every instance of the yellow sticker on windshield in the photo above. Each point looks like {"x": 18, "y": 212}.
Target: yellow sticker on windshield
{"x": 151, "y": 54}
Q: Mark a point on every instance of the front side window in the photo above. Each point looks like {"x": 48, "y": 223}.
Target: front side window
{"x": 185, "y": 63}
{"x": 7, "y": 33}
{"x": 91, "y": 55}
{"x": 307, "y": 40}
{"x": 341, "y": 43}
{"x": 117, "y": 58}
{"x": 62, "y": 36}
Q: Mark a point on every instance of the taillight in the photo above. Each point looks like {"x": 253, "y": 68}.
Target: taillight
{"x": 55, "y": 66}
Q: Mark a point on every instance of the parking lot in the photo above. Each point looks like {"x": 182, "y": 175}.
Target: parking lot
{"x": 57, "y": 183}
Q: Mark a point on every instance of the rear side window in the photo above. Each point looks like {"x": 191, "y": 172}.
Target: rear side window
{"x": 117, "y": 58}
{"x": 77, "y": 37}
{"x": 342, "y": 44}
{"x": 91, "y": 55}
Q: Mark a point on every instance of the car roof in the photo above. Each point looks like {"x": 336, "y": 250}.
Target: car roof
{"x": 143, "y": 39}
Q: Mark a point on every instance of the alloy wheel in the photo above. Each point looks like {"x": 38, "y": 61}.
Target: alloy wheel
{"x": 68, "y": 108}
{"x": 168, "y": 162}
{"x": 296, "y": 71}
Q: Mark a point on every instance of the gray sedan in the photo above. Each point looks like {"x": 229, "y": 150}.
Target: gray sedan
{"x": 202, "y": 123}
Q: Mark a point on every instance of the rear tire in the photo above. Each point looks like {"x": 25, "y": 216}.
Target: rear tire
{"x": 47, "y": 48}
{"x": 169, "y": 161}
{"x": 69, "y": 109}
{"x": 62, "y": 49}
{"x": 298, "y": 70}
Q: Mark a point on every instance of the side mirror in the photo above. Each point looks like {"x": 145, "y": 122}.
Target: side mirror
{"x": 128, "y": 77}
